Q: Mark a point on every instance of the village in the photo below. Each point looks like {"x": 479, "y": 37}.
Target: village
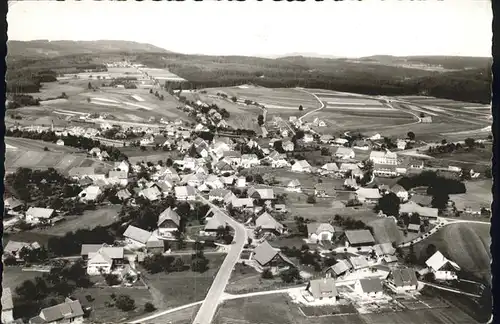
{"x": 216, "y": 173}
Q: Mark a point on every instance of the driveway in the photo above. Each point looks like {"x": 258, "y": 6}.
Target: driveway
{"x": 214, "y": 297}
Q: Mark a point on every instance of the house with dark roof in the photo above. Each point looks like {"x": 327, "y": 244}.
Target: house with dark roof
{"x": 339, "y": 269}
{"x": 267, "y": 223}
{"x": 68, "y": 312}
{"x": 358, "y": 238}
{"x": 402, "y": 280}
{"x": 422, "y": 200}
{"x": 399, "y": 191}
{"x": 323, "y": 288}
{"x": 369, "y": 288}
{"x": 268, "y": 257}
{"x": 261, "y": 193}
{"x": 168, "y": 222}
{"x": 442, "y": 268}
{"x": 7, "y": 306}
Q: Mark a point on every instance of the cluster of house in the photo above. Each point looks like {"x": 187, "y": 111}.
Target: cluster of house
{"x": 370, "y": 266}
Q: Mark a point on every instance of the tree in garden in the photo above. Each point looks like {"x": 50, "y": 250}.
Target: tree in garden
{"x": 389, "y": 204}
{"x": 112, "y": 279}
{"x": 267, "y": 274}
{"x": 301, "y": 108}
{"x": 234, "y": 99}
{"x": 290, "y": 275}
{"x": 411, "y": 136}
{"x": 199, "y": 264}
{"x": 125, "y": 303}
{"x": 311, "y": 199}
{"x": 89, "y": 86}
{"x": 260, "y": 120}
{"x": 440, "y": 200}
{"x": 149, "y": 307}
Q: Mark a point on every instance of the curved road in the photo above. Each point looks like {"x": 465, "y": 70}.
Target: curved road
{"x": 207, "y": 310}
{"x": 315, "y": 110}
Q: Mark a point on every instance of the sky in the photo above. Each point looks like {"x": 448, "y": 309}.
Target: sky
{"x": 346, "y": 29}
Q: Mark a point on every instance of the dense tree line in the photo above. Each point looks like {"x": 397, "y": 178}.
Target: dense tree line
{"x": 71, "y": 243}
{"x": 435, "y": 183}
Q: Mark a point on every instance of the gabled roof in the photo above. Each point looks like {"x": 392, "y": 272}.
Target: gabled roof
{"x": 118, "y": 174}
{"x": 359, "y": 262}
{"x": 341, "y": 266}
{"x": 263, "y": 193}
{"x": 90, "y": 248}
{"x": 223, "y": 166}
{"x": 384, "y": 249}
{"x": 169, "y": 214}
{"x": 249, "y": 157}
{"x": 219, "y": 192}
{"x": 421, "y": 200}
{"x": 184, "y": 191}
{"x": 438, "y": 261}
{"x": 137, "y": 234}
{"x": 398, "y": 188}
{"x": 12, "y": 202}
{"x": 99, "y": 257}
{"x": 123, "y": 194}
{"x": 114, "y": 252}
{"x": 341, "y": 150}
{"x": 302, "y": 163}
{"x": 242, "y": 202}
{"x": 360, "y": 237}
{"x": 323, "y": 288}
{"x": 264, "y": 253}
{"x": 151, "y": 193}
{"x": 368, "y": 193}
{"x": 330, "y": 167}
{"x": 294, "y": 183}
{"x": 38, "y": 212}
{"x": 15, "y": 246}
{"x": 266, "y": 221}
{"x": 68, "y": 309}
{"x": 371, "y": 285}
{"x": 214, "y": 223}
{"x": 318, "y": 228}
{"x": 233, "y": 154}
{"x": 404, "y": 277}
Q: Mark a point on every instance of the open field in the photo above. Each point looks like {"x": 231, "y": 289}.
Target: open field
{"x": 55, "y": 89}
{"x": 24, "y": 144}
{"x": 273, "y": 99}
{"x": 184, "y": 316}
{"x": 478, "y": 192}
{"x": 62, "y": 162}
{"x": 467, "y": 244}
{"x": 102, "y": 314}
{"x": 278, "y": 309}
{"x": 179, "y": 288}
{"x": 102, "y": 216}
{"x": 14, "y": 276}
{"x": 161, "y": 74}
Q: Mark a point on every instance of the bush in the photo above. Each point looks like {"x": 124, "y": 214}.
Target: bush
{"x": 112, "y": 279}
{"x": 148, "y": 307}
{"x": 125, "y": 303}
{"x": 311, "y": 199}
{"x": 267, "y": 274}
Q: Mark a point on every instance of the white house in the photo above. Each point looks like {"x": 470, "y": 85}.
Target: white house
{"x": 90, "y": 193}
{"x": 60, "y": 142}
{"x": 401, "y": 144}
{"x": 329, "y": 168}
{"x": 293, "y": 186}
{"x": 344, "y": 153}
{"x": 118, "y": 178}
{"x": 185, "y": 193}
{"x": 369, "y": 288}
{"x": 301, "y": 166}
{"x": 380, "y": 157}
{"x": 320, "y": 231}
{"x": 288, "y": 146}
{"x": 122, "y": 166}
{"x": 168, "y": 223}
{"x": 103, "y": 259}
{"x": 323, "y": 288}
{"x": 35, "y": 215}
{"x": 442, "y": 268}
{"x": 249, "y": 160}
{"x": 368, "y": 195}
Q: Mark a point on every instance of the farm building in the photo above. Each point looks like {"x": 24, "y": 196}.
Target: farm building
{"x": 35, "y": 215}
{"x": 136, "y": 237}
{"x": 261, "y": 193}
{"x": 323, "y": 288}
{"x": 168, "y": 222}
{"x": 329, "y": 168}
{"x": 403, "y": 280}
{"x": 384, "y": 249}
{"x": 359, "y": 263}
{"x": 213, "y": 224}
{"x": 185, "y": 193}
{"x": 385, "y": 170}
{"x": 320, "y": 231}
{"x": 399, "y": 191}
{"x": 103, "y": 260}
{"x": 414, "y": 228}
{"x": 267, "y": 223}
{"x": 380, "y": 157}
{"x": 441, "y": 267}
{"x": 268, "y": 257}
{"x": 339, "y": 269}
{"x": 369, "y": 288}
{"x": 344, "y": 153}
{"x": 358, "y": 238}
{"x": 90, "y": 193}
{"x": 301, "y": 166}
{"x": 68, "y": 312}
{"x": 118, "y": 178}
{"x": 368, "y": 195}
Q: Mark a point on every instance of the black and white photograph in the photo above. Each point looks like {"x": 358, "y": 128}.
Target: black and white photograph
{"x": 257, "y": 162}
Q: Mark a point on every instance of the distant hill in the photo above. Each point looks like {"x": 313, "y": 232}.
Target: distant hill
{"x": 429, "y": 62}
{"x": 45, "y": 48}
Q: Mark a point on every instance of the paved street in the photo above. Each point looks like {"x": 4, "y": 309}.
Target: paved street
{"x": 209, "y": 307}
